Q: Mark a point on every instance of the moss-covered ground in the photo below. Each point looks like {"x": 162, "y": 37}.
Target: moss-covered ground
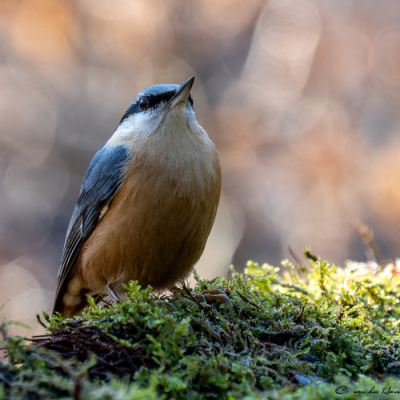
{"x": 317, "y": 332}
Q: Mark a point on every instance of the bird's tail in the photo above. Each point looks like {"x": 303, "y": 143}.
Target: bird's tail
{"x": 71, "y": 311}
{"x": 71, "y": 299}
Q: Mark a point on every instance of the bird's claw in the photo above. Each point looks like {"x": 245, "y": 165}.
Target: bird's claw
{"x": 112, "y": 293}
{"x": 214, "y": 295}
{"x": 166, "y": 303}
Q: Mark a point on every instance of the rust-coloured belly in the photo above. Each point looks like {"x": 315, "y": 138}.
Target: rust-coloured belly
{"x": 154, "y": 234}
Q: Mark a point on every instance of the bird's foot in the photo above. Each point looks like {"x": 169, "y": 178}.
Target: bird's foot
{"x": 166, "y": 303}
{"x": 214, "y": 295}
{"x": 174, "y": 289}
{"x": 112, "y": 293}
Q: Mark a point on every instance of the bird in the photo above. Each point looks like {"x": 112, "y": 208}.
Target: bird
{"x": 147, "y": 203}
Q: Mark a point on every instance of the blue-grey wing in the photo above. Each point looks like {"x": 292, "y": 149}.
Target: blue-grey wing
{"x": 100, "y": 184}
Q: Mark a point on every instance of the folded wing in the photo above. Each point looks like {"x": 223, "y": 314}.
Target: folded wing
{"x": 100, "y": 184}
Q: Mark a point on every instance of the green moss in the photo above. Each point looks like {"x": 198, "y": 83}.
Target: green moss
{"x": 297, "y": 336}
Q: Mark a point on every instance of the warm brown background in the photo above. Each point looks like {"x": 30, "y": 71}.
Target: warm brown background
{"x": 302, "y": 98}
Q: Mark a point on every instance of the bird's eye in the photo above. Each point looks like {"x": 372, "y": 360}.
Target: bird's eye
{"x": 143, "y": 104}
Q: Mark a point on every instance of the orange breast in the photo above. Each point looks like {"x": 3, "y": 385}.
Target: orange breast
{"x": 154, "y": 231}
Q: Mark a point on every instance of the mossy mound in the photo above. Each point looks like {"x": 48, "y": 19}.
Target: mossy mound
{"x": 300, "y": 336}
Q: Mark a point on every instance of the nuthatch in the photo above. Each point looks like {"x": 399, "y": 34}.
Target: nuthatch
{"x": 147, "y": 202}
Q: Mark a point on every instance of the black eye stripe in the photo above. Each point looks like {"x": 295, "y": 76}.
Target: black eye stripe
{"x": 155, "y": 100}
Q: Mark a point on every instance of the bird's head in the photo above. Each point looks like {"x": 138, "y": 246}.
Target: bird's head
{"x": 169, "y": 107}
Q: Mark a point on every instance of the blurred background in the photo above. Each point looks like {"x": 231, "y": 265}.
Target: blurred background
{"x": 301, "y": 97}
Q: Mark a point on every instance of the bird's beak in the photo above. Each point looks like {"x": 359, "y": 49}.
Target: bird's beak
{"x": 182, "y": 94}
